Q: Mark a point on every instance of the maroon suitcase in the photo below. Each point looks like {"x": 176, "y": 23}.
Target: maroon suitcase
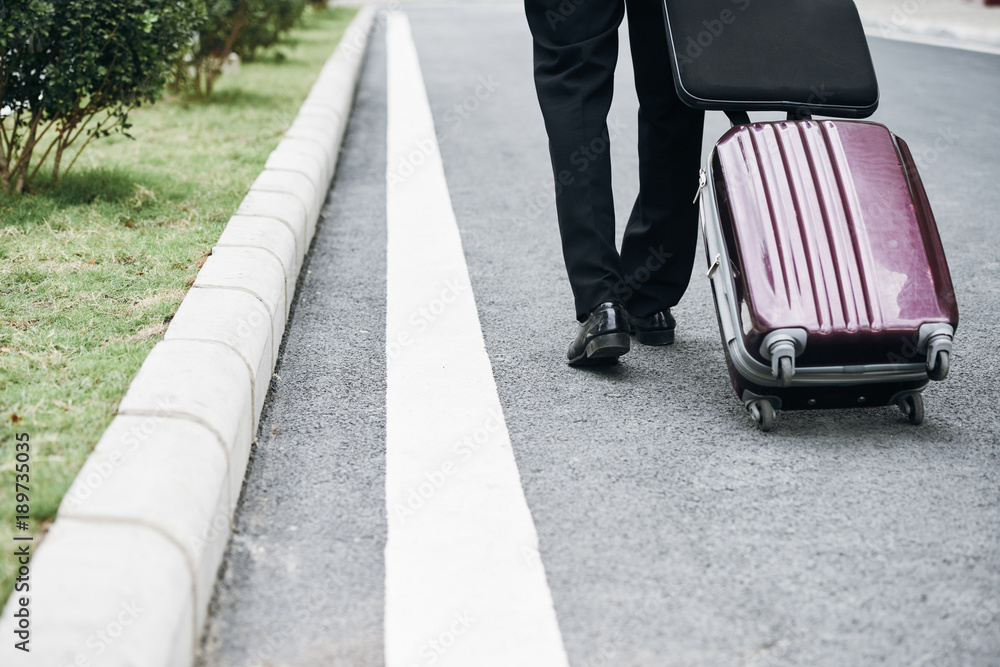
{"x": 830, "y": 282}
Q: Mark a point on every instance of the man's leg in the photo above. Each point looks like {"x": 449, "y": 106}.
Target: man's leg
{"x": 659, "y": 245}
{"x": 575, "y": 50}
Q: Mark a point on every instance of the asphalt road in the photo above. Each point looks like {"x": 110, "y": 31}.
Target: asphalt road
{"x": 672, "y": 532}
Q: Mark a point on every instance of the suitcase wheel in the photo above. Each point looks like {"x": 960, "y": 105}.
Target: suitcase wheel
{"x": 941, "y": 363}
{"x": 786, "y": 369}
{"x": 912, "y": 405}
{"x": 762, "y": 412}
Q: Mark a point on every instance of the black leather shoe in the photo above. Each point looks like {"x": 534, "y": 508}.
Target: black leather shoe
{"x": 603, "y": 337}
{"x": 657, "y": 329}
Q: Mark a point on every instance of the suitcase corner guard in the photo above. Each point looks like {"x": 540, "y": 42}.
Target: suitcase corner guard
{"x": 935, "y": 340}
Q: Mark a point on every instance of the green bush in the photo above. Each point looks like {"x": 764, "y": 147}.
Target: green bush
{"x": 234, "y": 26}
{"x": 71, "y": 70}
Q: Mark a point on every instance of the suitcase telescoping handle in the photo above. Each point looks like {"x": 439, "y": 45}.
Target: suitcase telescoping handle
{"x": 738, "y": 117}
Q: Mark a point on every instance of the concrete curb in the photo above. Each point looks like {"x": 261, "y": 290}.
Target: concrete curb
{"x": 126, "y": 572}
{"x": 931, "y": 37}
{"x": 965, "y": 26}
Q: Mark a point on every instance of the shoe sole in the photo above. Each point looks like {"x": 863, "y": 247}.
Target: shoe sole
{"x": 603, "y": 350}
{"x": 654, "y": 337}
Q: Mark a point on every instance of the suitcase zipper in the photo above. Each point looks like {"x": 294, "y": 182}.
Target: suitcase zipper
{"x": 702, "y": 182}
{"x": 715, "y": 266}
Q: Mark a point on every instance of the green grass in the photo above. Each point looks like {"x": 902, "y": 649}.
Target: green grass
{"x": 92, "y": 268}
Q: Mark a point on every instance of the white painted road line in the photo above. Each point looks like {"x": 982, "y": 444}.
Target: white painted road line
{"x": 464, "y": 585}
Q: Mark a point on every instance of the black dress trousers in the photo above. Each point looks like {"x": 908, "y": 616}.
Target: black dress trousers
{"x": 575, "y": 51}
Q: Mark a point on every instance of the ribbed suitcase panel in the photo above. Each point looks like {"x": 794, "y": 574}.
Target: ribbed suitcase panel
{"x": 828, "y": 236}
